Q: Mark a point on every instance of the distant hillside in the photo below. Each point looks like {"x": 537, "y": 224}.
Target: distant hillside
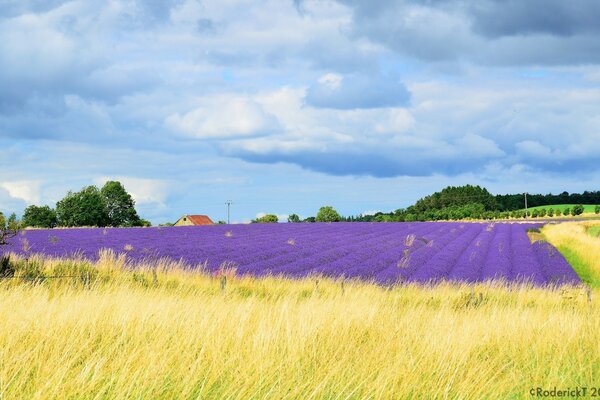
{"x": 476, "y": 202}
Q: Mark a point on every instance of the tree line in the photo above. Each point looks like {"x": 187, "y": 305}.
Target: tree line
{"x": 462, "y": 202}
{"x": 110, "y": 205}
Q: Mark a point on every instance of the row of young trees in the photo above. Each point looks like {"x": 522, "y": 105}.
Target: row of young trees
{"x": 510, "y": 202}
{"x": 110, "y": 205}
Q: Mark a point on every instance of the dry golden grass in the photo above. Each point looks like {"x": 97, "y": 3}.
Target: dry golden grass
{"x": 580, "y": 248}
{"x": 173, "y": 334}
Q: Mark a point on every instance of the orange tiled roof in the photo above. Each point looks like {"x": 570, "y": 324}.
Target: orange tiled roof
{"x": 200, "y": 219}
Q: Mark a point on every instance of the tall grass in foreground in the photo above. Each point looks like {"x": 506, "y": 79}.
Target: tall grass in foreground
{"x": 166, "y": 333}
{"x": 580, "y": 248}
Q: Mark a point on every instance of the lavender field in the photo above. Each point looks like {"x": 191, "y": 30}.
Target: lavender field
{"x": 383, "y": 253}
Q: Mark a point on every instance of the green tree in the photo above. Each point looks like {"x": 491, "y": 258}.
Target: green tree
{"x": 83, "y": 208}
{"x": 457, "y": 196}
{"x": 120, "y": 206}
{"x": 577, "y": 210}
{"x": 309, "y": 219}
{"x": 328, "y": 214}
{"x": 266, "y": 219}
{"x": 566, "y": 211}
{"x": 551, "y": 212}
{"x": 558, "y": 212}
{"x": 39, "y": 217}
{"x": 9, "y": 228}
{"x": 597, "y": 209}
{"x": 294, "y": 218}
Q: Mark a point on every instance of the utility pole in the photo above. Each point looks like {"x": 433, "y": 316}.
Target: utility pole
{"x": 525, "y": 204}
{"x": 229, "y": 203}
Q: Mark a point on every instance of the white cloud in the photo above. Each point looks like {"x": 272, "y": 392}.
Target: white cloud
{"x": 28, "y": 190}
{"x": 370, "y": 212}
{"x": 143, "y": 190}
{"x": 331, "y": 81}
{"x": 225, "y": 117}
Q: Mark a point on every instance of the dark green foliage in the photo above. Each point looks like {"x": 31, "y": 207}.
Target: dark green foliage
{"x": 144, "y": 222}
{"x": 535, "y": 213}
{"x": 83, "y": 208}
{"x": 328, "y": 214}
{"x": 558, "y": 212}
{"x": 9, "y": 228}
{"x": 597, "y": 209}
{"x": 457, "y": 196}
{"x": 475, "y": 202}
{"x": 567, "y": 211}
{"x": 294, "y": 218}
{"x": 265, "y": 219}
{"x": 7, "y": 268}
{"x": 550, "y": 212}
{"x": 39, "y": 217}
{"x": 516, "y": 201}
{"x": 109, "y": 206}
{"x": 577, "y": 210}
{"x": 309, "y": 219}
{"x": 119, "y": 205}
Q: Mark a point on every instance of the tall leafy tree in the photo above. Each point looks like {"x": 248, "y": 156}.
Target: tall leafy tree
{"x": 293, "y": 218}
{"x": 328, "y": 214}
{"x": 120, "y": 206}
{"x": 39, "y": 217}
{"x": 83, "y": 208}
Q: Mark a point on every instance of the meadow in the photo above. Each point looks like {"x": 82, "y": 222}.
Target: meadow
{"x": 163, "y": 330}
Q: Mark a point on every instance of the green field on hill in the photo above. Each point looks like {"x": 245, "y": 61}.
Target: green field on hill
{"x": 587, "y": 208}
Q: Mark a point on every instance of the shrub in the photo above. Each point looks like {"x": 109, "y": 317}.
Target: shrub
{"x": 597, "y": 209}
{"x": 567, "y": 211}
{"x": 577, "y": 210}
{"x": 9, "y": 228}
{"x": 535, "y": 213}
{"x": 558, "y": 212}
{"x": 267, "y": 219}
{"x": 542, "y": 212}
{"x": 550, "y": 212}
{"x": 7, "y": 268}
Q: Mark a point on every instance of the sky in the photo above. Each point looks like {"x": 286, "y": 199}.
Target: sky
{"x": 285, "y": 106}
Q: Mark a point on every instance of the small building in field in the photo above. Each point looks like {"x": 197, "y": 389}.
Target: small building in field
{"x": 191, "y": 220}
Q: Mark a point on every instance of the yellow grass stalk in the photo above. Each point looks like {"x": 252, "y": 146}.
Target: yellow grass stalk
{"x": 175, "y": 334}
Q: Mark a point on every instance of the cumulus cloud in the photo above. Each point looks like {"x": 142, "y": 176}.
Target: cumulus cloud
{"x": 225, "y": 117}
{"x": 143, "y": 190}
{"x": 350, "y": 91}
{"x": 27, "y": 191}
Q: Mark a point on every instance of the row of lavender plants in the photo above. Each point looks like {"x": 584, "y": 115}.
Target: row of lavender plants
{"x": 385, "y": 253}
